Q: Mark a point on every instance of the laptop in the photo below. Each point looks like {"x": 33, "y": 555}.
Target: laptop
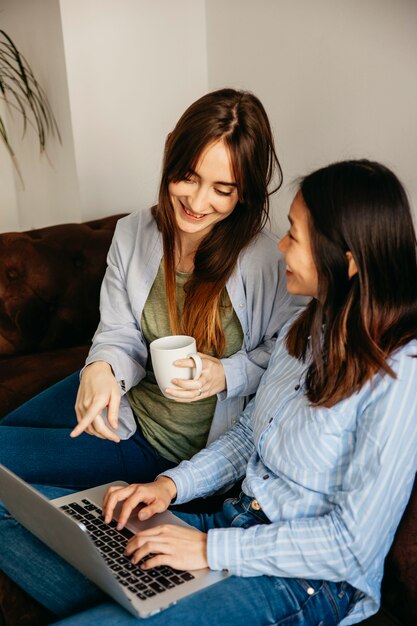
{"x": 73, "y": 527}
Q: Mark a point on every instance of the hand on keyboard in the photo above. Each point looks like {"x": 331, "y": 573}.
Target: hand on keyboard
{"x": 144, "y": 583}
{"x": 156, "y": 498}
{"x": 175, "y": 546}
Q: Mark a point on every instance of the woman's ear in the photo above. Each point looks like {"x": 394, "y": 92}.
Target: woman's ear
{"x": 352, "y": 267}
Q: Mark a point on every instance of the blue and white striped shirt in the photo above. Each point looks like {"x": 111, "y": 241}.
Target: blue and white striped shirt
{"x": 333, "y": 481}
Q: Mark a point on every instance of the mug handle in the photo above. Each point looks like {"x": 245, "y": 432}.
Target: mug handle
{"x": 198, "y": 364}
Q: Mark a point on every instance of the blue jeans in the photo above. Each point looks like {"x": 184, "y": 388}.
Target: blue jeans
{"x": 35, "y": 444}
{"x": 256, "y": 600}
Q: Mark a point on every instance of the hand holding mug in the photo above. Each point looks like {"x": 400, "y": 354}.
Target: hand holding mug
{"x": 166, "y": 352}
{"x": 211, "y": 382}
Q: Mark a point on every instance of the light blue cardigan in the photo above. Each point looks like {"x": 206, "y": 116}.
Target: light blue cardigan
{"x": 257, "y": 290}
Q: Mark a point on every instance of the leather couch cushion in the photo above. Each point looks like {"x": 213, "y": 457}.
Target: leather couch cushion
{"x": 49, "y": 285}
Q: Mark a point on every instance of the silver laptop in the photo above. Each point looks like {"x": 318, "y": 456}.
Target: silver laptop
{"x": 73, "y": 527}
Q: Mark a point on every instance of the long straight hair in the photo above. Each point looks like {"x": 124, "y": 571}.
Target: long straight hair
{"x": 239, "y": 119}
{"x": 355, "y": 324}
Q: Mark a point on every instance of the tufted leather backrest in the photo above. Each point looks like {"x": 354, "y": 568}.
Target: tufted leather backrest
{"x": 49, "y": 285}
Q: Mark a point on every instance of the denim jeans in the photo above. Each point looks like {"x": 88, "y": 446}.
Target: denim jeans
{"x": 256, "y": 600}
{"x": 35, "y": 444}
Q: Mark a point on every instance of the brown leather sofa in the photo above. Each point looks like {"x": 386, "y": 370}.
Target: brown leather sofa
{"x": 49, "y": 295}
{"x": 49, "y": 291}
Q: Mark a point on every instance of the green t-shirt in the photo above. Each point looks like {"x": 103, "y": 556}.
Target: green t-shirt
{"x": 176, "y": 429}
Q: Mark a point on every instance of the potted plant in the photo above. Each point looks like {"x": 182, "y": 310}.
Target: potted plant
{"x": 22, "y": 94}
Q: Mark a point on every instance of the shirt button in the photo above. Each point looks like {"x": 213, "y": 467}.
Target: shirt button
{"x": 265, "y": 477}
{"x": 241, "y": 305}
{"x": 310, "y": 591}
{"x": 255, "y": 505}
{"x": 234, "y": 421}
{"x": 270, "y": 420}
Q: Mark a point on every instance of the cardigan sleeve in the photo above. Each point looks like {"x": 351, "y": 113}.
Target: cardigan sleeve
{"x": 118, "y": 339}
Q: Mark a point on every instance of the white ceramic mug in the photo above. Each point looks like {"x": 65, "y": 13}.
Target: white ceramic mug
{"x": 166, "y": 350}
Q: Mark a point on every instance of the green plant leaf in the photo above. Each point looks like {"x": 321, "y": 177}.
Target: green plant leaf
{"x": 22, "y": 93}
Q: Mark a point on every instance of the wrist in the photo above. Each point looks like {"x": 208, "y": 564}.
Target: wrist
{"x": 168, "y": 484}
{"x": 98, "y": 366}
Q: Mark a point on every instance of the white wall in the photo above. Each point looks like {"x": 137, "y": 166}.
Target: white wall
{"x": 337, "y": 77}
{"x": 50, "y": 195}
{"x": 9, "y": 219}
{"x": 133, "y": 67}
{"x": 118, "y": 74}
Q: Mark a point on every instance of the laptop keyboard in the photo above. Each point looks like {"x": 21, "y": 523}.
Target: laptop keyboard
{"x": 112, "y": 543}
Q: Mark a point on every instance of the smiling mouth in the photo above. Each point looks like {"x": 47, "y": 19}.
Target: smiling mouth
{"x": 193, "y": 216}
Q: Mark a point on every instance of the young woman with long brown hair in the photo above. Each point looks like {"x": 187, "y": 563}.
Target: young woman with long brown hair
{"x": 198, "y": 263}
{"x": 327, "y": 446}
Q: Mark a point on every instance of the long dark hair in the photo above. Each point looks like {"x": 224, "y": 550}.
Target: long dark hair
{"x": 240, "y": 120}
{"x": 355, "y": 324}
